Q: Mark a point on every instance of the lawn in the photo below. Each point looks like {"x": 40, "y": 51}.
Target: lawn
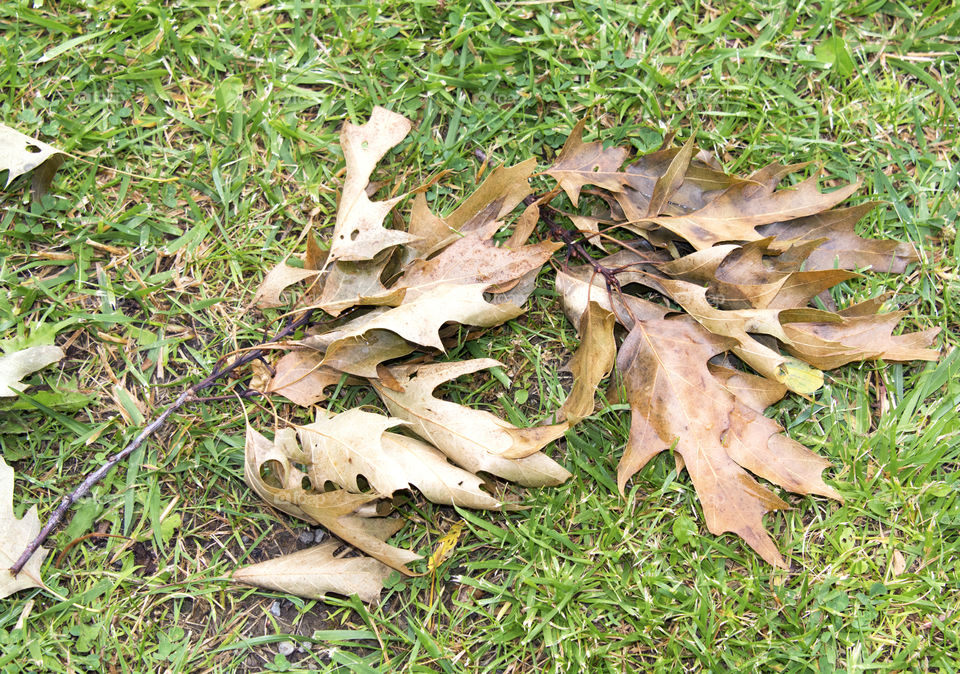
{"x": 205, "y": 140}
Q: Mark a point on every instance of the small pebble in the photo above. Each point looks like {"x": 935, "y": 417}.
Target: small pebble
{"x": 306, "y": 537}
{"x": 275, "y": 608}
{"x": 319, "y": 535}
{"x": 285, "y": 648}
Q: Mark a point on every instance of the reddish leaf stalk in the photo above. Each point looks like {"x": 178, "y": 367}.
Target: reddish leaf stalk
{"x": 575, "y": 247}
{"x": 187, "y": 396}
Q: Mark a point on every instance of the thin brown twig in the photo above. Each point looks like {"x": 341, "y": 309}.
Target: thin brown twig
{"x": 187, "y": 396}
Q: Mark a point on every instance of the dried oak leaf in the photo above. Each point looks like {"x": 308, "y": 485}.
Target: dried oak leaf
{"x": 474, "y": 259}
{"x": 840, "y": 247}
{"x": 358, "y": 233}
{"x": 742, "y": 324}
{"x": 746, "y": 277}
{"x": 270, "y": 471}
{"x": 580, "y": 164}
{"x": 592, "y": 361}
{"x": 702, "y": 182}
{"x": 21, "y": 154}
{"x": 316, "y": 571}
{"x": 300, "y": 377}
{"x": 677, "y": 402}
{"x": 735, "y": 214}
{"x": 858, "y": 338}
{"x": 351, "y": 284}
{"x": 474, "y": 439}
{"x": 416, "y": 321}
{"x": 342, "y": 447}
{"x": 276, "y": 281}
{"x": 501, "y": 192}
{"x": 15, "y": 535}
{"x": 578, "y": 286}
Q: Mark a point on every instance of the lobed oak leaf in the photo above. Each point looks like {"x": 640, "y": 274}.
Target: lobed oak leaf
{"x": 474, "y": 439}
{"x": 580, "y": 164}
{"x": 742, "y": 324}
{"x": 840, "y": 247}
{"x": 15, "y": 536}
{"x": 358, "y": 233}
{"x": 498, "y": 195}
{"x": 300, "y": 377}
{"x": 677, "y": 402}
{"x": 416, "y": 321}
{"x": 474, "y": 259}
{"x": 736, "y": 213}
{"x": 276, "y": 281}
{"x": 745, "y": 277}
{"x": 315, "y": 572}
{"x": 270, "y": 471}
{"x": 858, "y": 338}
{"x": 21, "y": 154}
{"x": 355, "y": 443}
{"x": 351, "y": 284}
{"x": 702, "y": 182}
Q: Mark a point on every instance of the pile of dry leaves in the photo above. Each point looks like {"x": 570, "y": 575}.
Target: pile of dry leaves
{"x": 696, "y": 286}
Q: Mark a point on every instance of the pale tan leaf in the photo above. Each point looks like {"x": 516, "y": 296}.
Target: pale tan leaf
{"x": 17, "y": 365}
{"x": 355, "y": 443}
{"x": 276, "y": 281}
{"x": 300, "y": 378}
{"x": 315, "y": 572}
{"x": 358, "y": 233}
{"x": 21, "y": 154}
{"x": 475, "y": 439}
{"x": 15, "y": 535}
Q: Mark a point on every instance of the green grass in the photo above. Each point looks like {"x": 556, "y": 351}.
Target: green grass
{"x": 226, "y": 115}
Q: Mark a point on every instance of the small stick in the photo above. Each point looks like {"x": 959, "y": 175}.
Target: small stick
{"x": 187, "y": 396}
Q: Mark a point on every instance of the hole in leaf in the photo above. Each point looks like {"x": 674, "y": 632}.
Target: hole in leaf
{"x": 362, "y": 483}
{"x": 271, "y": 472}
{"x": 354, "y": 234}
{"x": 32, "y": 149}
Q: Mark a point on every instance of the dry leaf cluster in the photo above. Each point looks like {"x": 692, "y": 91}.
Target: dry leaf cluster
{"x": 701, "y": 301}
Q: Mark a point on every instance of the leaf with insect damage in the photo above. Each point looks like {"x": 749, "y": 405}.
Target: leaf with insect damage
{"x": 270, "y": 471}
{"x": 20, "y": 154}
{"x": 580, "y": 164}
{"x": 341, "y": 448}
{"x": 358, "y": 233}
